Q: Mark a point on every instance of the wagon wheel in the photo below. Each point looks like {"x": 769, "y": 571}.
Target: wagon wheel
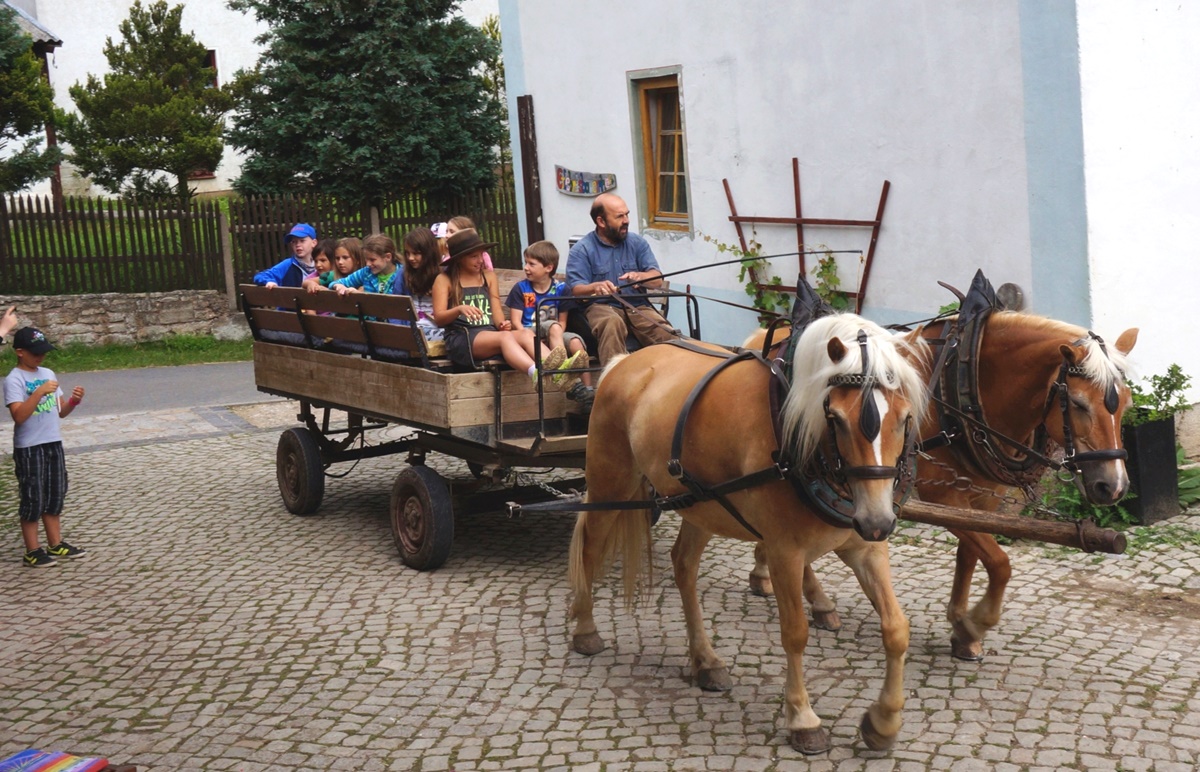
{"x": 300, "y": 471}
{"x": 422, "y": 518}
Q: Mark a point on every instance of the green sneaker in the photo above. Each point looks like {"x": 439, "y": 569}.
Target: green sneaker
{"x": 554, "y": 359}
{"x": 39, "y": 558}
{"x": 64, "y": 550}
{"x": 576, "y": 360}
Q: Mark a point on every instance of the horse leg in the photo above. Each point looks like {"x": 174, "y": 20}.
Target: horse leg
{"x": 869, "y": 561}
{"x": 760, "y": 577}
{"x": 825, "y": 616}
{"x": 969, "y": 628}
{"x": 587, "y": 555}
{"x": 708, "y": 669}
{"x": 805, "y": 732}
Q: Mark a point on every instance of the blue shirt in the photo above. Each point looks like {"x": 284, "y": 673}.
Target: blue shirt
{"x": 525, "y": 298}
{"x": 287, "y": 273}
{"x": 591, "y": 260}
{"x": 370, "y": 282}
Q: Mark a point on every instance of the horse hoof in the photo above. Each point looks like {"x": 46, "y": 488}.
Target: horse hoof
{"x": 810, "y": 741}
{"x": 826, "y": 620}
{"x": 874, "y": 740}
{"x": 714, "y": 680}
{"x": 761, "y": 587}
{"x": 588, "y": 644}
{"x": 966, "y": 651}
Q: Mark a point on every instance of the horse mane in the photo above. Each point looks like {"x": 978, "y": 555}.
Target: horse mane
{"x": 889, "y": 360}
{"x": 1102, "y": 370}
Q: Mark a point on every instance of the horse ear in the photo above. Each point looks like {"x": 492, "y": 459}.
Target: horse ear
{"x": 836, "y": 349}
{"x": 1068, "y": 354}
{"x": 1127, "y": 340}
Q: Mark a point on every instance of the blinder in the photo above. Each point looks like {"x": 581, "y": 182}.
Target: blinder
{"x": 1073, "y": 459}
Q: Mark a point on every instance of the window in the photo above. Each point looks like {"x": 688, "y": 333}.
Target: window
{"x": 660, "y": 134}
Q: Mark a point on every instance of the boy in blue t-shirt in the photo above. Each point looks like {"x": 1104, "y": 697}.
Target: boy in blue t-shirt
{"x": 541, "y": 261}
{"x": 35, "y": 402}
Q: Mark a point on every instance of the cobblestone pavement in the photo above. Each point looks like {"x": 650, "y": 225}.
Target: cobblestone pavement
{"x": 210, "y": 629}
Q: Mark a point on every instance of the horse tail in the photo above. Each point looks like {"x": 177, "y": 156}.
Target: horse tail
{"x": 627, "y": 537}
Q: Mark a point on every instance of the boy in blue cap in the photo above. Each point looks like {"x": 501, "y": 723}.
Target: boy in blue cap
{"x": 292, "y": 272}
{"x": 36, "y": 404}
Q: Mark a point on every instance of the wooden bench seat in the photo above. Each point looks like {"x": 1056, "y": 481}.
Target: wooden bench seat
{"x": 379, "y": 326}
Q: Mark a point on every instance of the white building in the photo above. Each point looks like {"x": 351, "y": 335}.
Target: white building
{"x": 83, "y": 26}
{"x": 1051, "y": 144}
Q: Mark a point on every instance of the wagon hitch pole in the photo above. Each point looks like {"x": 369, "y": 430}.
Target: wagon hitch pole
{"x": 1082, "y": 535}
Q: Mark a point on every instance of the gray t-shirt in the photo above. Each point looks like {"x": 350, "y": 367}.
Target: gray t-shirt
{"x": 44, "y": 425}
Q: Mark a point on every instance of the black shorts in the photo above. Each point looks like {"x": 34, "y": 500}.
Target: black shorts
{"x": 42, "y": 477}
{"x": 460, "y": 339}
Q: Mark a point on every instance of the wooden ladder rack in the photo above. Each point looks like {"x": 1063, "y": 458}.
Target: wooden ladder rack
{"x": 799, "y": 220}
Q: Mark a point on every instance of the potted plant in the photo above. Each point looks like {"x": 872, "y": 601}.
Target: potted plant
{"x": 1148, "y": 431}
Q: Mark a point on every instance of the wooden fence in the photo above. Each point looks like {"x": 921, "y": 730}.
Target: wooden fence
{"x": 91, "y": 245}
{"x": 107, "y": 245}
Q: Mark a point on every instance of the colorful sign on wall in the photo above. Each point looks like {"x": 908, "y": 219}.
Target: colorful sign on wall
{"x": 583, "y": 183}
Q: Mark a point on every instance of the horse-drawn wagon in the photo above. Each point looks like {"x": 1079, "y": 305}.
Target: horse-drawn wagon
{"x": 362, "y": 355}
{"x": 811, "y": 466}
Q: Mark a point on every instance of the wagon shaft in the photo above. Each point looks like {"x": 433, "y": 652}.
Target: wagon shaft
{"x": 1082, "y": 535}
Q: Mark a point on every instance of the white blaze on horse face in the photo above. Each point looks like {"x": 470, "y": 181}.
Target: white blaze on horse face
{"x": 882, "y": 403}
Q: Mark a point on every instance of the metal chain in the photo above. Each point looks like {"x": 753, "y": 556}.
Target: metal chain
{"x": 521, "y": 478}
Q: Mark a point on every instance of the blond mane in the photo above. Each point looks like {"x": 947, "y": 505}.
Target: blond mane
{"x": 889, "y": 361}
{"x": 1102, "y": 366}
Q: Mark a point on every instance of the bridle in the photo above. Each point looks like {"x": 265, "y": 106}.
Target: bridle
{"x": 1072, "y": 458}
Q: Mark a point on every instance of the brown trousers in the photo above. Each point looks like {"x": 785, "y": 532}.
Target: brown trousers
{"x": 612, "y": 324}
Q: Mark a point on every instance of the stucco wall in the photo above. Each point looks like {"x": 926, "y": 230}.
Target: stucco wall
{"x": 119, "y": 318}
{"x": 921, "y": 94}
{"x": 1140, "y": 91}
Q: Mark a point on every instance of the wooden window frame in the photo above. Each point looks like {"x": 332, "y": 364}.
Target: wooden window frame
{"x": 646, "y": 90}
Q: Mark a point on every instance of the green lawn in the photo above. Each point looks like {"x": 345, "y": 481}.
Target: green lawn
{"x": 176, "y": 350}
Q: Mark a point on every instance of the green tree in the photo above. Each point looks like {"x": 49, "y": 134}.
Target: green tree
{"x": 156, "y": 113}
{"x": 366, "y": 98}
{"x": 26, "y": 106}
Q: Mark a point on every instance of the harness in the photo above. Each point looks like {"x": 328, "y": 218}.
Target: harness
{"x": 960, "y": 412}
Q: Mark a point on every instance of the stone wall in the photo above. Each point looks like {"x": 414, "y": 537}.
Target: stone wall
{"x": 127, "y": 318}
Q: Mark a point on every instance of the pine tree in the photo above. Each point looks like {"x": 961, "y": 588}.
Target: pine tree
{"x": 26, "y": 106}
{"x": 365, "y": 99}
{"x": 157, "y": 112}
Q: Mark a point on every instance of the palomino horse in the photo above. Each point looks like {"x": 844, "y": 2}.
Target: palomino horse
{"x": 853, "y": 402}
{"x": 1036, "y": 376}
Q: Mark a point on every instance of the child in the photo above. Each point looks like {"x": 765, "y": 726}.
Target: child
{"x": 323, "y": 260}
{"x": 462, "y": 223}
{"x": 292, "y": 272}
{"x": 35, "y": 402}
{"x": 466, "y": 304}
{"x": 347, "y": 258}
{"x": 422, "y": 266}
{"x": 541, "y": 261}
{"x": 377, "y": 275}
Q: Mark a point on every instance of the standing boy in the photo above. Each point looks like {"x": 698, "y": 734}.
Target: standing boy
{"x": 541, "y": 261}
{"x": 35, "y": 401}
{"x": 292, "y": 272}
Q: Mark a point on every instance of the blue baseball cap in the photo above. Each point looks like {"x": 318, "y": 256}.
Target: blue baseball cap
{"x": 300, "y": 230}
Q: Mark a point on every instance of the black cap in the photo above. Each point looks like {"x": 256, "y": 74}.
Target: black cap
{"x": 32, "y": 340}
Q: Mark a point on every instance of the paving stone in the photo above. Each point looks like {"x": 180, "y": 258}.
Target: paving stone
{"x": 211, "y": 629}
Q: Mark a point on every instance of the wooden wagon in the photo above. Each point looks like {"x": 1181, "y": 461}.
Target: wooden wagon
{"x": 362, "y": 354}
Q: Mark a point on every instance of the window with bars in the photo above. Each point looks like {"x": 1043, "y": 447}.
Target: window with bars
{"x": 664, "y": 155}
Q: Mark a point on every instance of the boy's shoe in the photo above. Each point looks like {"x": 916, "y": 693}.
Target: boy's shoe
{"x": 64, "y": 550}
{"x": 584, "y": 395}
{"x": 568, "y": 380}
{"x": 554, "y": 359}
{"x": 39, "y": 558}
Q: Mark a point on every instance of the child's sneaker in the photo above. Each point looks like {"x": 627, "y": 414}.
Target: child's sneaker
{"x": 64, "y": 550}
{"x": 39, "y": 558}
{"x": 554, "y": 359}
{"x": 584, "y": 395}
{"x": 567, "y": 380}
